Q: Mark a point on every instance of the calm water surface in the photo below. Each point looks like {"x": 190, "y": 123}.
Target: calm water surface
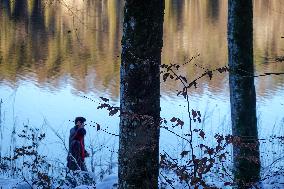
{"x": 52, "y": 54}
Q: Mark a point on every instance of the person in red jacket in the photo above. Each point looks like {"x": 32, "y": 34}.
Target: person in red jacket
{"x": 76, "y": 157}
{"x": 79, "y": 123}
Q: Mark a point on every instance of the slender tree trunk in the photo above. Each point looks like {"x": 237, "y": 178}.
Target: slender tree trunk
{"x": 242, "y": 92}
{"x": 140, "y": 94}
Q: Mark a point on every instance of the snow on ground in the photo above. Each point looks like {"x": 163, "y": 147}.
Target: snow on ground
{"x": 8, "y": 183}
{"x": 110, "y": 182}
{"x": 275, "y": 183}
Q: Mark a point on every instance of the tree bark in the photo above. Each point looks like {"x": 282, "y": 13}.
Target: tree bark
{"x": 140, "y": 94}
{"x": 242, "y": 92}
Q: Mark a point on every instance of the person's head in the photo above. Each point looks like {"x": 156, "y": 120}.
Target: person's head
{"x": 79, "y": 121}
{"x": 81, "y": 132}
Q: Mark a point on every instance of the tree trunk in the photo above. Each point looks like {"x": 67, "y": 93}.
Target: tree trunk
{"x": 242, "y": 92}
{"x": 140, "y": 94}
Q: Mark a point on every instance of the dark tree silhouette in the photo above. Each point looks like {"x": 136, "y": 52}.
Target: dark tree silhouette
{"x": 140, "y": 94}
{"x": 20, "y": 18}
{"x": 37, "y": 17}
{"x": 5, "y": 8}
{"x": 213, "y": 10}
{"x": 39, "y": 33}
{"x": 242, "y": 92}
{"x": 20, "y": 10}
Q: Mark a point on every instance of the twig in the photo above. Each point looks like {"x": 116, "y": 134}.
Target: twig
{"x": 166, "y": 179}
{"x": 278, "y": 159}
{"x": 169, "y": 156}
{"x": 190, "y": 120}
{"x": 191, "y": 135}
{"x": 57, "y": 134}
{"x": 174, "y": 133}
{"x": 25, "y": 180}
{"x": 225, "y": 170}
{"x": 269, "y": 73}
{"x": 113, "y": 134}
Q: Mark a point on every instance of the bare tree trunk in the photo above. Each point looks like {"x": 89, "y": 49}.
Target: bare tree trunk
{"x": 140, "y": 94}
{"x": 242, "y": 92}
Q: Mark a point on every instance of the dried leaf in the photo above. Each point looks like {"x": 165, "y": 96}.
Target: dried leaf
{"x": 227, "y": 183}
{"x": 184, "y": 153}
{"x": 210, "y": 74}
{"x": 104, "y": 99}
{"x": 222, "y": 156}
{"x": 179, "y": 122}
{"x": 198, "y": 113}
{"x": 98, "y": 127}
{"x": 202, "y": 134}
{"x": 183, "y": 78}
{"x": 165, "y": 76}
{"x": 173, "y": 119}
{"x": 104, "y": 105}
{"x": 218, "y": 148}
{"x": 194, "y": 114}
{"x": 199, "y": 120}
{"x": 113, "y": 111}
{"x": 210, "y": 151}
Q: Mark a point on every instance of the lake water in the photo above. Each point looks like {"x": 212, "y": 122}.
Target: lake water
{"x": 54, "y": 53}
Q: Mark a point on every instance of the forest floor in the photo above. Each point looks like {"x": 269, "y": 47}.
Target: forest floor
{"x": 110, "y": 182}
